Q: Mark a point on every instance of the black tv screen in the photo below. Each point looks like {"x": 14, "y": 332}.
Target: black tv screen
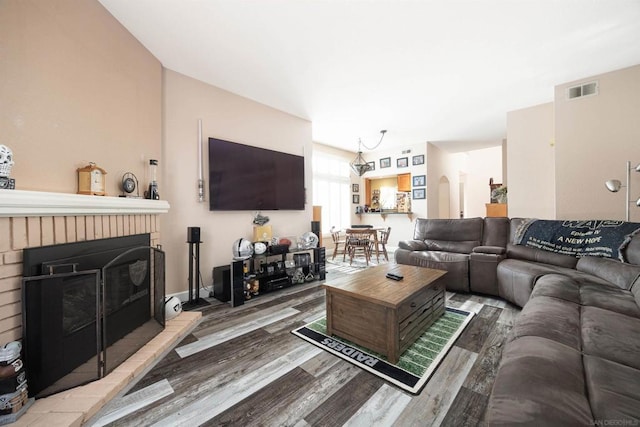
{"x": 242, "y": 177}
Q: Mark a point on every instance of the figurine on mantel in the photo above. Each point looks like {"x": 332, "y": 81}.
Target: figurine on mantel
{"x": 6, "y": 163}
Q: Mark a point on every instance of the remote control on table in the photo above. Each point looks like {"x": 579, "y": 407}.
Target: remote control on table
{"x": 394, "y": 276}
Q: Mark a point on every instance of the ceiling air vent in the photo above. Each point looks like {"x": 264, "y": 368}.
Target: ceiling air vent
{"x": 585, "y": 89}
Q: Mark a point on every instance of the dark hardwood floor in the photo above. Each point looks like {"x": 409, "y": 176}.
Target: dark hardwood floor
{"x": 242, "y": 366}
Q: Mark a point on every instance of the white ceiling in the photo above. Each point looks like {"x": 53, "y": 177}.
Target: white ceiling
{"x": 444, "y": 71}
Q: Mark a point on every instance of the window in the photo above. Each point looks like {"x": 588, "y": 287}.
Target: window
{"x": 332, "y": 190}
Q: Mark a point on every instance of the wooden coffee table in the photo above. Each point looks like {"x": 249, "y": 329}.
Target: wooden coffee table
{"x": 381, "y": 314}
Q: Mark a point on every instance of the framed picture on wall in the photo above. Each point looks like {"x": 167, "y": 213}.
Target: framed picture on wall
{"x": 355, "y": 199}
{"x": 419, "y": 193}
{"x": 418, "y": 160}
{"x": 372, "y": 166}
{"x": 402, "y": 162}
{"x": 355, "y": 188}
{"x": 385, "y": 162}
{"x": 419, "y": 180}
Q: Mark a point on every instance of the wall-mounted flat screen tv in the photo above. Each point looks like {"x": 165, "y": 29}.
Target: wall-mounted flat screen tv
{"x": 242, "y": 177}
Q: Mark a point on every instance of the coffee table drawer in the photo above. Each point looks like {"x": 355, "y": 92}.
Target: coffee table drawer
{"x": 415, "y": 325}
{"x": 417, "y": 301}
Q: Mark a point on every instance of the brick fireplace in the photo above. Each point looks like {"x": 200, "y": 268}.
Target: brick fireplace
{"x": 31, "y": 219}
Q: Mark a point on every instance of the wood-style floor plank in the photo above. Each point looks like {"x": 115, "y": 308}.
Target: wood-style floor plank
{"x": 382, "y": 409}
{"x": 431, "y": 405}
{"x": 264, "y": 375}
{"x": 466, "y": 410}
{"x": 343, "y": 404}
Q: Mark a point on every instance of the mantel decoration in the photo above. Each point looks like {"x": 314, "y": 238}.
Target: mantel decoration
{"x": 91, "y": 180}
{"x": 614, "y": 185}
{"x": 6, "y": 163}
{"x": 129, "y": 185}
{"x": 359, "y": 165}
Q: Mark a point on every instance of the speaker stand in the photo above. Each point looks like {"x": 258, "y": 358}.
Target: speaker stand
{"x": 194, "y": 300}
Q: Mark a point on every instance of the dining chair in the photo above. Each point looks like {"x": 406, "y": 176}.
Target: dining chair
{"x": 359, "y": 241}
{"x": 340, "y": 244}
{"x": 382, "y": 242}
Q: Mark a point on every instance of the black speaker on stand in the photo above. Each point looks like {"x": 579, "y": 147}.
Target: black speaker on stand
{"x": 193, "y": 238}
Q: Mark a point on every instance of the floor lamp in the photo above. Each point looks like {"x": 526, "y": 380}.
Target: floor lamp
{"x": 615, "y": 185}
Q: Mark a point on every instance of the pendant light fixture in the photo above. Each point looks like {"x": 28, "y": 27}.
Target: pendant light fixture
{"x": 359, "y": 165}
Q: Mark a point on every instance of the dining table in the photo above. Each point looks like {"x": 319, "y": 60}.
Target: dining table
{"x": 373, "y": 232}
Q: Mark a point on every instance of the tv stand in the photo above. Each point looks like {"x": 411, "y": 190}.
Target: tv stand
{"x": 244, "y": 279}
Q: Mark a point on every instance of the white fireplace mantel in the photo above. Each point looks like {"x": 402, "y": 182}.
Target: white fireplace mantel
{"x": 20, "y": 203}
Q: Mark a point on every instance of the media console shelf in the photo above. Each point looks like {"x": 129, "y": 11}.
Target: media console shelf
{"x": 248, "y": 278}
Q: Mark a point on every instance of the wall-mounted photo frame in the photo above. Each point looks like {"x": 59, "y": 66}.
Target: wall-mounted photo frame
{"x": 355, "y": 188}
{"x": 419, "y": 193}
{"x": 402, "y": 162}
{"x": 417, "y": 160}
{"x": 419, "y": 180}
{"x": 372, "y": 166}
{"x": 355, "y": 199}
{"x": 385, "y": 162}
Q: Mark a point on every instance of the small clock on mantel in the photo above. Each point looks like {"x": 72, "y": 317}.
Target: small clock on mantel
{"x": 91, "y": 180}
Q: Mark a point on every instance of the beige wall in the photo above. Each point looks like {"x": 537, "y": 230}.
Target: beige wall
{"x": 595, "y": 136}
{"x": 76, "y": 87}
{"x": 441, "y": 164}
{"x": 531, "y": 162}
{"x": 481, "y": 166}
{"x": 231, "y": 117}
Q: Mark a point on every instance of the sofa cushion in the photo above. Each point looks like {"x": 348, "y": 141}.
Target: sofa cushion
{"x": 461, "y": 247}
{"x": 538, "y": 255}
{"x": 551, "y": 318}
{"x": 456, "y": 265}
{"x": 516, "y": 279}
{"x": 412, "y": 245}
{"x": 620, "y": 274}
{"x": 631, "y": 252}
{"x": 611, "y": 336}
{"x": 540, "y": 383}
{"x": 557, "y": 286}
{"x": 609, "y": 298}
{"x": 452, "y": 235}
{"x": 496, "y": 232}
{"x": 613, "y": 389}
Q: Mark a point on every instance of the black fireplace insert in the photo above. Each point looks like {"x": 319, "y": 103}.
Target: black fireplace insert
{"x": 87, "y": 307}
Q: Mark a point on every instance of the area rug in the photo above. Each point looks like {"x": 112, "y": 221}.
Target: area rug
{"x": 351, "y": 268}
{"x": 416, "y": 364}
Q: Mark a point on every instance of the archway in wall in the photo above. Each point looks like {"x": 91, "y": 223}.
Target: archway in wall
{"x": 444, "y": 198}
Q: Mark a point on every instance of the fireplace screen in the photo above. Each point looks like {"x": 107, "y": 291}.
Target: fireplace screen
{"x": 81, "y": 324}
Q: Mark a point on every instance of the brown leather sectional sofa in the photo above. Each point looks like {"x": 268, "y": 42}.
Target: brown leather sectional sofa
{"x": 573, "y": 355}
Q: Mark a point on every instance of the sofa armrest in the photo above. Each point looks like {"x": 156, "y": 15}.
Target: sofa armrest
{"x": 412, "y": 245}
{"x": 483, "y": 270}
{"x": 495, "y": 250}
